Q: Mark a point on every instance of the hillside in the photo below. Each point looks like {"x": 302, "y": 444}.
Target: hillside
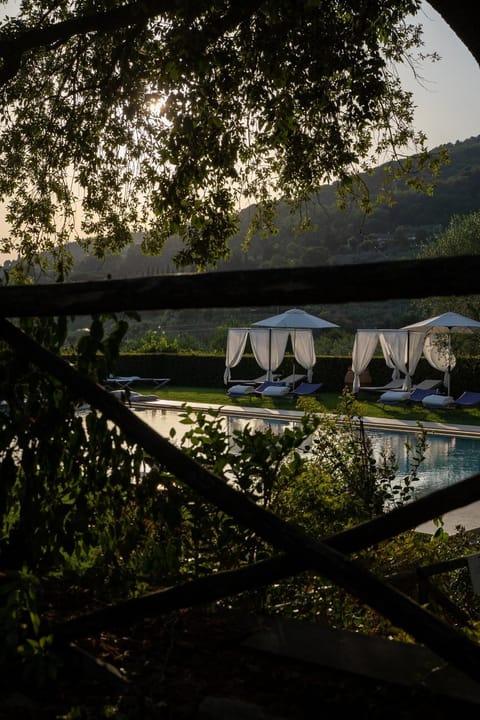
{"x": 337, "y": 236}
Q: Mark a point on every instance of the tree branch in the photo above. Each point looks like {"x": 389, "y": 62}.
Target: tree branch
{"x": 463, "y": 19}
{"x": 13, "y": 47}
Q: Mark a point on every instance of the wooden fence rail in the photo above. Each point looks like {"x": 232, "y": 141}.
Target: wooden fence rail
{"x": 295, "y": 286}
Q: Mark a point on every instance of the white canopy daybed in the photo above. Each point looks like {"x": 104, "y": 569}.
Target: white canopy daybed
{"x": 401, "y": 349}
{"x": 269, "y": 347}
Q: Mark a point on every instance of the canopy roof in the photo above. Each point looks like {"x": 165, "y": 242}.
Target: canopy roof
{"x": 447, "y": 322}
{"x": 437, "y": 355}
{"x": 295, "y": 318}
{"x": 402, "y": 348}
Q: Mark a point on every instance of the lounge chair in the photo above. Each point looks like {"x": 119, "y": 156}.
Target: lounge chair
{"x": 392, "y": 385}
{"x": 306, "y": 388}
{"x": 240, "y": 390}
{"x": 128, "y": 380}
{"x": 273, "y": 389}
{"x": 255, "y": 381}
{"x": 428, "y": 385}
{"x": 394, "y": 397}
{"x": 397, "y": 385}
{"x": 438, "y": 402}
{"x": 468, "y": 399}
{"x": 292, "y": 380}
{"x": 418, "y": 394}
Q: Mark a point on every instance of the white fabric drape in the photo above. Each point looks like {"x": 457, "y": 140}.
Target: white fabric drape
{"x": 402, "y": 351}
{"x": 236, "y": 342}
{"x": 394, "y": 348}
{"x": 415, "y": 349}
{"x": 268, "y": 346}
{"x": 437, "y": 352}
{"x": 363, "y": 348}
{"x": 304, "y": 350}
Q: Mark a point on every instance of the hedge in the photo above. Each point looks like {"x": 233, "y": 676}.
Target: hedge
{"x": 199, "y": 370}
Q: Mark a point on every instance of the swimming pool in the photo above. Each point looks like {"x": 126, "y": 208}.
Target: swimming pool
{"x": 448, "y": 458}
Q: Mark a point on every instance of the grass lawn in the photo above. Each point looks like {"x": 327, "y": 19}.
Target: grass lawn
{"x": 327, "y": 402}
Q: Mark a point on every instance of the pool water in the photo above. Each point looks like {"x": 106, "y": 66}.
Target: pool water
{"x": 448, "y": 459}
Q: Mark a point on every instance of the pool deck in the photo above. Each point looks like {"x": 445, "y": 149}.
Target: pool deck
{"x": 443, "y": 428}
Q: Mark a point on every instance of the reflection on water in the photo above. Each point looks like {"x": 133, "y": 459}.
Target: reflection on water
{"x": 163, "y": 420}
{"x": 448, "y": 459}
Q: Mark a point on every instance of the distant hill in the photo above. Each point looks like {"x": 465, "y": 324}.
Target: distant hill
{"x": 389, "y": 232}
{"x": 337, "y": 236}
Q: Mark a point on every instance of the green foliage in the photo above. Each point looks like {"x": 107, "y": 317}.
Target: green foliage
{"x": 253, "y": 460}
{"x": 25, "y": 648}
{"x": 324, "y": 478}
{"x": 152, "y": 341}
{"x": 461, "y": 237}
{"x": 343, "y": 483}
{"x": 75, "y": 505}
{"x": 82, "y": 508}
{"x": 169, "y": 119}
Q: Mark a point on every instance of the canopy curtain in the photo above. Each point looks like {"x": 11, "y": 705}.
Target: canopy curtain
{"x": 415, "y": 349}
{"x": 394, "y": 348}
{"x": 268, "y": 346}
{"x": 438, "y": 354}
{"x": 364, "y": 346}
{"x": 236, "y": 342}
{"x": 402, "y": 351}
{"x": 304, "y": 350}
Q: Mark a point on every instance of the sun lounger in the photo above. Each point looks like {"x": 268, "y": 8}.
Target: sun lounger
{"x": 272, "y": 389}
{"x": 468, "y": 399}
{"x": 428, "y": 384}
{"x": 128, "y": 380}
{"x": 240, "y": 390}
{"x": 394, "y": 397}
{"x": 392, "y": 385}
{"x": 397, "y": 385}
{"x": 438, "y": 402}
{"x": 255, "y": 381}
{"x": 293, "y": 380}
{"x": 306, "y": 388}
{"x": 418, "y": 394}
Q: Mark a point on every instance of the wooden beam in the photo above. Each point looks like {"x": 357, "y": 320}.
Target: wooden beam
{"x": 292, "y": 286}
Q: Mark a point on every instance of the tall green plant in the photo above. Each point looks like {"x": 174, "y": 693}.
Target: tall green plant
{"x": 75, "y": 505}
{"x": 253, "y": 461}
{"x": 322, "y": 475}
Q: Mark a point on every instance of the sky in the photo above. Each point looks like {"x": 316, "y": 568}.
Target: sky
{"x": 447, "y": 100}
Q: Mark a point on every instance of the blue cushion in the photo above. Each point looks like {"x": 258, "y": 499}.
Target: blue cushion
{"x": 240, "y": 390}
{"x": 394, "y": 396}
{"x": 438, "y": 401}
{"x": 276, "y": 390}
